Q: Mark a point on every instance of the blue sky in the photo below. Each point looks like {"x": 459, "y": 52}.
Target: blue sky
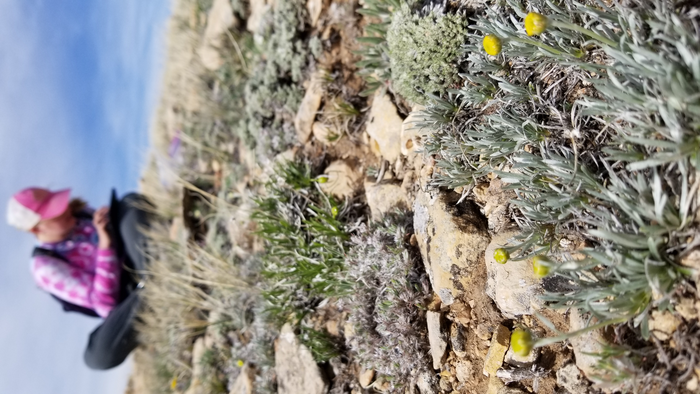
{"x": 79, "y": 83}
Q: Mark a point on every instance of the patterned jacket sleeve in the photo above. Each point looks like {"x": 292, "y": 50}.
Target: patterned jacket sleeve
{"x": 98, "y": 291}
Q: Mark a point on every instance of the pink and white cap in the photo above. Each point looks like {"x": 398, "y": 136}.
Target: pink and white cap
{"x": 32, "y": 205}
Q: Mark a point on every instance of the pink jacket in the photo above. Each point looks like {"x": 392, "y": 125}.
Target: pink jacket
{"x": 90, "y": 279}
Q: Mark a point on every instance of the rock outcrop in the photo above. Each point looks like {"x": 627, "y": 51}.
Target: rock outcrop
{"x": 512, "y": 286}
{"x": 384, "y": 126}
{"x": 219, "y": 20}
{"x": 297, "y": 372}
{"x": 452, "y": 238}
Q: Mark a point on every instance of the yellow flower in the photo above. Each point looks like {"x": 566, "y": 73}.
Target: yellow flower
{"x": 173, "y": 383}
{"x": 501, "y": 255}
{"x": 239, "y": 363}
{"x": 521, "y": 342}
{"x": 535, "y": 24}
{"x": 492, "y": 45}
{"x": 541, "y": 266}
{"x": 334, "y": 212}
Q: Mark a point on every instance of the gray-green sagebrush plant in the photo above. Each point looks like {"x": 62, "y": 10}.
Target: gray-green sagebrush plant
{"x": 387, "y": 303}
{"x": 612, "y": 156}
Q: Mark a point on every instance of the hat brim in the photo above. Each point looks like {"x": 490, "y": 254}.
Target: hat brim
{"x": 54, "y": 205}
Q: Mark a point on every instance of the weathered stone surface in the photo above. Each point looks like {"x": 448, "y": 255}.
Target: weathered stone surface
{"x": 297, "y": 372}
{"x": 306, "y": 114}
{"x": 461, "y": 312}
{"x": 585, "y": 345}
{"x": 458, "y": 340}
{"x": 198, "y": 350}
{"x": 494, "y": 201}
{"x": 343, "y": 179}
{"x": 663, "y": 324}
{"x": 464, "y": 370}
{"x": 411, "y": 135}
{"x": 244, "y": 382}
{"x": 520, "y": 361}
{"x": 325, "y": 134}
{"x": 258, "y": 8}
{"x": 384, "y": 126}
{"x": 495, "y": 384}
{"x": 314, "y": 7}
{"x": 569, "y": 377}
{"x": 384, "y": 197}
{"x": 438, "y": 345}
{"x": 452, "y": 239}
{"x": 219, "y": 20}
{"x": 499, "y": 345}
{"x": 366, "y": 377}
{"x": 512, "y": 285}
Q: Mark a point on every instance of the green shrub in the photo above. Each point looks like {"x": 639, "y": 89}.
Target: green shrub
{"x": 424, "y": 51}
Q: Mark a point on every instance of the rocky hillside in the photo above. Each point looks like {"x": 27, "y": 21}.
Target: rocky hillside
{"x": 425, "y": 197}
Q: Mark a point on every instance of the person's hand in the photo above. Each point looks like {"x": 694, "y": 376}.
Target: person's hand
{"x": 101, "y": 219}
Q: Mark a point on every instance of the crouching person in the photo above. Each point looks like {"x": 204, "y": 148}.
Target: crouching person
{"x": 88, "y": 260}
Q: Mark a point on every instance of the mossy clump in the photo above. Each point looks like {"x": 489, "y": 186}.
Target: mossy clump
{"x": 424, "y": 51}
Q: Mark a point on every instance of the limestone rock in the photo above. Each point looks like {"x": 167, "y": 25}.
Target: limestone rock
{"x": 520, "y": 361}
{"x": 315, "y": 7}
{"x": 569, "y": 377}
{"x": 306, "y": 114}
{"x": 244, "y": 382}
{"x": 499, "y": 345}
{"x": 585, "y": 345}
{"x": 366, "y": 377}
{"x": 461, "y": 313}
{"x": 494, "y": 201}
{"x": 464, "y": 370}
{"x": 198, "y": 350}
{"x": 495, "y": 384}
{"x": 663, "y": 324}
{"x": 384, "y": 126}
{"x": 411, "y": 135}
{"x": 438, "y": 346}
{"x": 297, "y": 372}
{"x": 219, "y": 20}
{"x": 384, "y": 197}
{"x": 324, "y": 134}
{"x": 343, "y": 179}
{"x": 512, "y": 285}
{"x": 452, "y": 239}
{"x": 258, "y": 8}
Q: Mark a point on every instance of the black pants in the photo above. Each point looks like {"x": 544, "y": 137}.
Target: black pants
{"x": 111, "y": 342}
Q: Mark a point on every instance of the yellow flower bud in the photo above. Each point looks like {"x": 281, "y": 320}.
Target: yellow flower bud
{"x": 334, "y": 212}
{"x": 501, "y": 255}
{"x": 535, "y": 24}
{"x": 239, "y": 363}
{"x": 322, "y": 179}
{"x": 173, "y": 383}
{"x": 541, "y": 266}
{"x": 492, "y": 45}
{"x": 521, "y": 342}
